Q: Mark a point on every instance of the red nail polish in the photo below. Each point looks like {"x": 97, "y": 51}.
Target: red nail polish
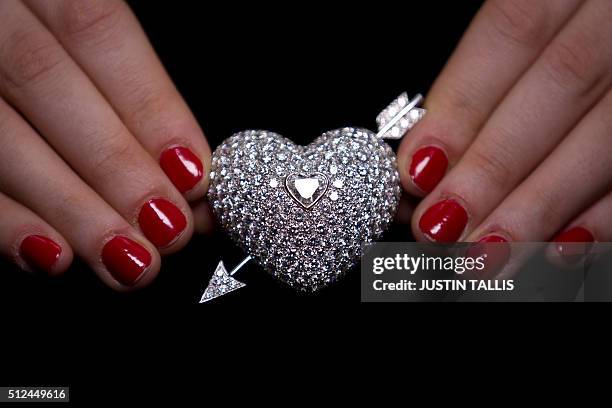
{"x": 568, "y": 244}
{"x": 161, "y": 222}
{"x": 495, "y": 251}
{"x": 444, "y": 221}
{"x": 39, "y": 252}
{"x": 182, "y": 166}
{"x": 427, "y": 167}
{"x": 125, "y": 259}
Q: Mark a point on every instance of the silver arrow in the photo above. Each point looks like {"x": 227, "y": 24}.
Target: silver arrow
{"x": 393, "y": 123}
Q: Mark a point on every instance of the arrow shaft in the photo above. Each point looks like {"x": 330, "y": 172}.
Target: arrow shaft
{"x": 240, "y": 265}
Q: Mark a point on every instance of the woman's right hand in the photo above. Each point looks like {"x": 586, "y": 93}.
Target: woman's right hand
{"x": 99, "y": 154}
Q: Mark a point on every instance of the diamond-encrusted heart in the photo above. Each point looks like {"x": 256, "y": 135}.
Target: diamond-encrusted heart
{"x": 304, "y": 212}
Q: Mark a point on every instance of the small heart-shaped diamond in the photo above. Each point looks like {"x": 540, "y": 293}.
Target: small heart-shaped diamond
{"x": 304, "y": 212}
{"x": 306, "y": 190}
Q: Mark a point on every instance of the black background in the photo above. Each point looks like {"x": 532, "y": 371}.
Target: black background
{"x": 297, "y": 68}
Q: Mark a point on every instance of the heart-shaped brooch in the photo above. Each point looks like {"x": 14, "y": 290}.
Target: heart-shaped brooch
{"x": 304, "y": 212}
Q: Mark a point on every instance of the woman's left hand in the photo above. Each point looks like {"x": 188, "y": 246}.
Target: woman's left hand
{"x": 517, "y": 141}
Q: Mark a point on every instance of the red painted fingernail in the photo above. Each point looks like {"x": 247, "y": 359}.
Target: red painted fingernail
{"x": 161, "y": 222}
{"x": 496, "y": 252}
{"x": 182, "y": 166}
{"x": 125, "y": 259}
{"x": 444, "y": 221}
{"x": 427, "y": 167}
{"x": 39, "y": 252}
{"x": 568, "y": 243}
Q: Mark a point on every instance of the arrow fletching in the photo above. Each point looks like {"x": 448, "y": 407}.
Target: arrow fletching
{"x": 399, "y": 117}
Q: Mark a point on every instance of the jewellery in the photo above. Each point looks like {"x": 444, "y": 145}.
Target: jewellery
{"x": 304, "y": 212}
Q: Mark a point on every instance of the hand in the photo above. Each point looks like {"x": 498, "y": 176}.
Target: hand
{"x": 99, "y": 154}
{"x": 517, "y": 141}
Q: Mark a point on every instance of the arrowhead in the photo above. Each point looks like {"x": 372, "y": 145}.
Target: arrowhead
{"x": 220, "y": 284}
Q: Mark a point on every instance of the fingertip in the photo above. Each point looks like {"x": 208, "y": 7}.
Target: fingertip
{"x": 416, "y": 230}
{"x": 44, "y": 252}
{"x": 410, "y": 187}
{"x": 166, "y": 224}
{"x": 571, "y": 247}
{"x": 63, "y": 262}
{"x": 181, "y": 240}
{"x": 187, "y": 170}
{"x": 128, "y": 262}
{"x": 442, "y": 221}
{"x": 423, "y": 159}
{"x": 403, "y": 162}
{"x": 554, "y": 257}
{"x": 200, "y": 190}
{"x": 204, "y": 220}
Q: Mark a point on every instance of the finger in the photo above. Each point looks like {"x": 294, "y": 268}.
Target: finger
{"x": 504, "y": 39}
{"x": 33, "y": 174}
{"x": 38, "y": 77}
{"x": 203, "y": 218}
{"x": 590, "y": 226}
{"x": 575, "y": 175}
{"x": 572, "y": 74}
{"x": 32, "y": 243}
{"x": 105, "y": 39}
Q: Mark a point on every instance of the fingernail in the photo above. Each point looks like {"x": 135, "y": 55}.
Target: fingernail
{"x": 496, "y": 252}
{"x": 444, "y": 221}
{"x": 182, "y": 166}
{"x": 39, "y": 252}
{"x": 567, "y": 244}
{"x": 125, "y": 259}
{"x": 427, "y": 167}
{"x": 161, "y": 222}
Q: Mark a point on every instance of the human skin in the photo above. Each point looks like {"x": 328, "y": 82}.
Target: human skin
{"x": 111, "y": 157}
{"x": 517, "y": 140}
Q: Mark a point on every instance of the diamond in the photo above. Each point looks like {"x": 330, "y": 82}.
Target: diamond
{"x": 220, "y": 283}
{"x": 306, "y": 190}
{"x": 306, "y": 186}
{"x": 390, "y": 125}
{"x": 301, "y": 234}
